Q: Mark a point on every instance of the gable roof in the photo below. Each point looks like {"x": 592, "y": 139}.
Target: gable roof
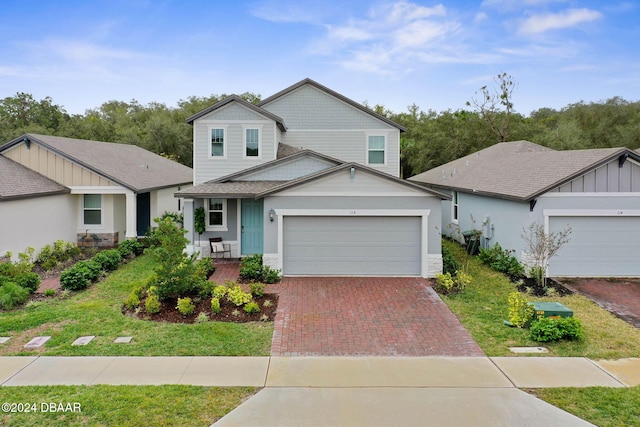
{"x": 333, "y": 93}
{"x": 20, "y": 182}
{"x": 519, "y": 170}
{"x": 229, "y": 186}
{"x": 131, "y": 166}
{"x": 244, "y": 103}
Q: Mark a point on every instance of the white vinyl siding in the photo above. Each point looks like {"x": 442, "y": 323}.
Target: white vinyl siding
{"x": 92, "y": 209}
{"x": 376, "y": 150}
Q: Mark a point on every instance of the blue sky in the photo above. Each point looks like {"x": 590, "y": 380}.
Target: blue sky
{"x": 394, "y": 53}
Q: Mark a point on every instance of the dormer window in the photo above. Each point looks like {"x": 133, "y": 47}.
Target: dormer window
{"x": 218, "y": 146}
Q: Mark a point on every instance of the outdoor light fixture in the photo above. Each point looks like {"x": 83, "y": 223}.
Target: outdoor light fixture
{"x": 353, "y": 173}
{"x": 272, "y": 215}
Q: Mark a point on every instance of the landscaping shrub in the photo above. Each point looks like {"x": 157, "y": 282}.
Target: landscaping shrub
{"x": 215, "y": 305}
{"x": 73, "y": 279}
{"x": 257, "y": 289}
{"x": 502, "y": 260}
{"x": 219, "y": 291}
{"x": 237, "y": 296}
{"x": 448, "y": 284}
{"x": 205, "y": 267}
{"x": 202, "y": 317}
{"x": 186, "y": 306}
{"x": 52, "y": 255}
{"x": 251, "y": 307}
{"x": 12, "y": 295}
{"x": 130, "y": 247}
{"x": 109, "y": 260}
{"x": 133, "y": 301}
{"x": 152, "y": 304}
{"x": 549, "y": 329}
{"x": 252, "y": 270}
{"x": 449, "y": 263}
{"x": 91, "y": 269}
{"x": 520, "y": 311}
{"x": 28, "y": 280}
{"x": 177, "y": 273}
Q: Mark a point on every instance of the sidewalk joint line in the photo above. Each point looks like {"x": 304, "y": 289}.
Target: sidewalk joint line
{"x": 21, "y": 369}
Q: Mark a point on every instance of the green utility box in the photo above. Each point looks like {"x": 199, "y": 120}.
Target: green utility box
{"x": 551, "y": 309}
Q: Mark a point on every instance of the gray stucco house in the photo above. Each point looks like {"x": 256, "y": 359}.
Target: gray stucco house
{"x": 310, "y": 179}
{"x": 90, "y": 192}
{"x": 504, "y": 188}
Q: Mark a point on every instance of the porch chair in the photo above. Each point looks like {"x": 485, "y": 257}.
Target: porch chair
{"x": 218, "y": 248}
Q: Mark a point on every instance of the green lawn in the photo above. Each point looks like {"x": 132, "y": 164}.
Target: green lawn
{"x": 97, "y": 311}
{"x": 482, "y": 307}
{"x": 602, "y": 406}
{"x": 170, "y": 405}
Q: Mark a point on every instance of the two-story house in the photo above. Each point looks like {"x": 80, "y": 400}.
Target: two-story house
{"x": 310, "y": 179}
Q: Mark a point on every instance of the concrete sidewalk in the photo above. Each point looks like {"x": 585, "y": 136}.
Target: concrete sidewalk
{"x": 351, "y": 391}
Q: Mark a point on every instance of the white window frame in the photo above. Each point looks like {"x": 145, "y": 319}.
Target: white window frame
{"x": 455, "y": 207}
{"x": 83, "y": 209}
{"x": 384, "y": 150}
{"x": 220, "y": 227}
{"x": 244, "y": 137}
{"x": 225, "y": 142}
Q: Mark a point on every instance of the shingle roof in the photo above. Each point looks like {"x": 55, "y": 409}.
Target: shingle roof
{"x": 128, "y": 165}
{"x": 20, "y": 182}
{"x": 518, "y": 170}
{"x": 230, "y": 188}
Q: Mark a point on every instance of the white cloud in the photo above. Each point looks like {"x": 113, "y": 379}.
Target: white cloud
{"x": 517, "y": 4}
{"x": 554, "y": 21}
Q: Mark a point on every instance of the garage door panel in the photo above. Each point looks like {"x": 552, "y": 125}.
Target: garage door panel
{"x": 598, "y": 247}
{"x": 352, "y": 246}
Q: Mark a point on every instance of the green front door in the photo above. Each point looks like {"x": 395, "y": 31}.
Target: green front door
{"x": 252, "y": 227}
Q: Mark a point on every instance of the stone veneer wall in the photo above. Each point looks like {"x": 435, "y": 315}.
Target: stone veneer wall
{"x": 100, "y": 240}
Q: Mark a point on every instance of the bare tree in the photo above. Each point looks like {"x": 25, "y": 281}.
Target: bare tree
{"x": 541, "y": 247}
{"x": 494, "y": 105}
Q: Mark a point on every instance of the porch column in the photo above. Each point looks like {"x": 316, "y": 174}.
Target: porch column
{"x": 187, "y": 211}
{"x": 131, "y": 208}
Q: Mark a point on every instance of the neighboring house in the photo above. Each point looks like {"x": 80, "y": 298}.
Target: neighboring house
{"x": 310, "y": 179}
{"x": 95, "y": 193}
{"x": 503, "y": 189}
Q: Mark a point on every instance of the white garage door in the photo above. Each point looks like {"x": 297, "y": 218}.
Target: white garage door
{"x": 599, "y": 247}
{"x": 352, "y": 246}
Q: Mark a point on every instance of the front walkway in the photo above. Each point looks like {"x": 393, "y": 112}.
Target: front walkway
{"x": 373, "y": 316}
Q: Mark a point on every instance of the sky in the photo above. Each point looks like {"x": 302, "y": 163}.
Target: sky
{"x": 395, "y": 53}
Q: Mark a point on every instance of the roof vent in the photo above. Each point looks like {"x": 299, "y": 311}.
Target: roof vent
{"x": 144, "y": 166}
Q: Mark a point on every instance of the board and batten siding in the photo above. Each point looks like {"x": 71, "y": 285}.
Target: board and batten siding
{"x": 607, "y": 178}
{"x": 55, "y": 167}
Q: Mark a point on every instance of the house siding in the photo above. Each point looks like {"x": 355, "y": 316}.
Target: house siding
{"x": 610, "y": 178}
{"x": 55, "y": 167}
{"x": 288, "y": 171}
{"x": 37, "y": 222}
{"x": 310, "y": 108}
{"x": 349, "y": 145}
{"x": 229, "y": 236}
{"x": 206, "y": 168}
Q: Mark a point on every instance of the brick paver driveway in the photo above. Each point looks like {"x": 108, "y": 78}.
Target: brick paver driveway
{"x": 352, "y": 316}
{"x": 619, "y": 296}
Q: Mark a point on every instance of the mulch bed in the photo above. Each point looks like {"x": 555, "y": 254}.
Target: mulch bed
{"x": 229, "y": 312}
{"x": 531, "y": 287}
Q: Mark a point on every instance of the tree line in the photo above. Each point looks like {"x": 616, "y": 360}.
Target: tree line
{"x": 431, "y": 139}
